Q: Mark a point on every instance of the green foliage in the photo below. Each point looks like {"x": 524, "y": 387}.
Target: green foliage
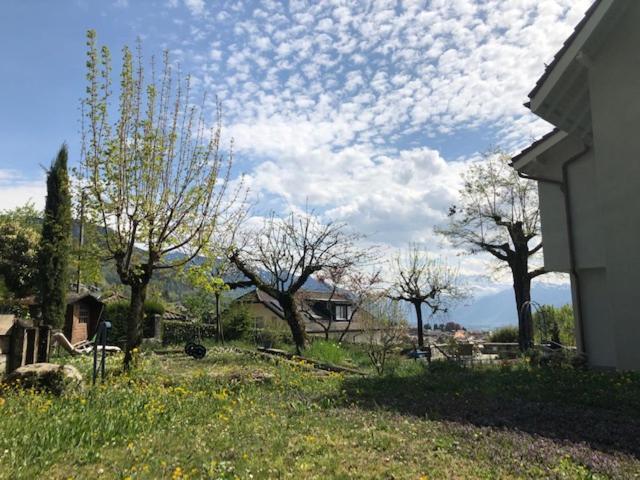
{"x": 55, "y": 244}
{"x": 327, "y": 351}
{"x": 118, "y": 313}
{"x": 19, "y": 237}
{"x": 237, "y": 324}
{"x": 505, "y": 335}
{"x": 554, "y": 324}
{"x": 179, "y": 332}
{"x": 200, "y": 305}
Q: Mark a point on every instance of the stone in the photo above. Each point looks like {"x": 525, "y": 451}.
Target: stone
{"x": 51, "y": 377}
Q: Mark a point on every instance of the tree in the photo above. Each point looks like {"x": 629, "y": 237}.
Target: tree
{"x": 207, "y": 280}
{"x": 554, "y": 324}
{"x": 356, "y": 286}
{"x": 55, "y": 244}
{"x": 384, "y": 330}
{"x": 155, "y": 179}
{"x": 281, "y": 256}
{"x": 19, "y": 238}
{"x": 498, "y": 214}
{"x": 422, "y": 280}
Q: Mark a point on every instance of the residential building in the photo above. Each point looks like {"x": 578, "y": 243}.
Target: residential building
{"x": 588, "y": 174}
{"x": 320, "y": 311}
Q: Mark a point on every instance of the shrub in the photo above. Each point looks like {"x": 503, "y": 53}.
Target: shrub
{"x": 176, "y": 332}
{"x": 236, "y": 322}
{"x": 505, "y": 335}
{"x": 117, "y": 313}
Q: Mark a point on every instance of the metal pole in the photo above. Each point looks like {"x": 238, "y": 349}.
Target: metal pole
{"x": 95, "y": 356}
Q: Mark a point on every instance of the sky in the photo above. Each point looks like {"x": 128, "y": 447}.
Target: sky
{"x": 366, "y": 112}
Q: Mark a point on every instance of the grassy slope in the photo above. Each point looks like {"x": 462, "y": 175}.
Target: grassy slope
{"x": 236, "y": 416}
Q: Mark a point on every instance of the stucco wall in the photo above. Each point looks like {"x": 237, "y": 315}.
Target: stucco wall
{"x": 614, "y": 82}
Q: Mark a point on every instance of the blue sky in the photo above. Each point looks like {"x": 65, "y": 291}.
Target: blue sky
{"x": 367, "y": 111}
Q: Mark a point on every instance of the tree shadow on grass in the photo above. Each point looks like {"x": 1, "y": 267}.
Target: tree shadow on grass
{"x": 601, "y": 410}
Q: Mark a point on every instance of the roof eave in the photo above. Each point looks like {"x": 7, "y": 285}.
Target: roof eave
{"x": 531, "y": 153}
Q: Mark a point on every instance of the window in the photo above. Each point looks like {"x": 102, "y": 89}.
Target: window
{"x": 341, "y": 312}
{"x": 83, "y": 314}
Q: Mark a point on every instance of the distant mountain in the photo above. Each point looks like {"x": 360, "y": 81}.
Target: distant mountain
{"x": 499, "y": 309}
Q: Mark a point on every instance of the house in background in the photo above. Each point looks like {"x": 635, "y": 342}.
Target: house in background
{"x": 318, "y": 309}
{"x": 588, "y": 174}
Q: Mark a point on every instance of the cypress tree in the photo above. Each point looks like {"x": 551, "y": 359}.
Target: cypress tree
{"x": 55, "y": 243}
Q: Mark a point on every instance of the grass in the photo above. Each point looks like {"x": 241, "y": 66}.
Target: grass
{"x": 235, "y": 415}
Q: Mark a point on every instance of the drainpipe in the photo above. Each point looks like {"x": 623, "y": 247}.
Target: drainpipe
{"x": 564, "y": 187}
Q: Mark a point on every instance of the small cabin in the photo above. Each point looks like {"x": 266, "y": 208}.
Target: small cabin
{"x": 82, "y": 317}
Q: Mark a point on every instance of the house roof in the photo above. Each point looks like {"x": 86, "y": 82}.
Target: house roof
{"x": 561, "y": 96}
{"x": 565, "y": 47}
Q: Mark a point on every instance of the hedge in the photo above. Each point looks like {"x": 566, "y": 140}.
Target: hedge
{"x": 176, "y": 331}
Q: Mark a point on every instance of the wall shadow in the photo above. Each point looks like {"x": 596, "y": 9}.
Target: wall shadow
{"x": 579, "y": 407}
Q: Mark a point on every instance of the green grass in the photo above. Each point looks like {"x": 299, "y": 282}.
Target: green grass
{"x": 235, "y": 415}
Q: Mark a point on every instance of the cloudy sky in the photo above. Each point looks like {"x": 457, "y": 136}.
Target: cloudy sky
{"x": 367, "y": 111}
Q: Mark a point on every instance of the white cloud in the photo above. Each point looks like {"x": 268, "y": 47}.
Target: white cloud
{"x": 16, "y": 191}
{"x": 196, "y": 7}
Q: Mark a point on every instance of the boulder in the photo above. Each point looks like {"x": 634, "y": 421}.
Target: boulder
{"x": 46, "y": 376}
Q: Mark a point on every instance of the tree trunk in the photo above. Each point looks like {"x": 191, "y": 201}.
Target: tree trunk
{"x": 136, "y": 316}
{"x": 522, "y": 290}
{"x": 294, "y": 320}
{"x": 418, "y": 307}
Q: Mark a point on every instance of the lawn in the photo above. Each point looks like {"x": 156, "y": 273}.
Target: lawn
{"x": 238, "y": 415}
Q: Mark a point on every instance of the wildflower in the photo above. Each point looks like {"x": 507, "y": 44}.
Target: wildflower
{"x": 177, "y": 473}
{"x": 2, "y": 400}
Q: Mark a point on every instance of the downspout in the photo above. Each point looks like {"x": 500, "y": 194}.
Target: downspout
{"x": 564, "y": 188}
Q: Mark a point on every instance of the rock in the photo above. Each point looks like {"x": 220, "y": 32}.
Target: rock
{"x": 46, "y": 376}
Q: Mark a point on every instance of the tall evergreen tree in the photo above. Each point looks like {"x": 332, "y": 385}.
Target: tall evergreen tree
{"x": 55, "y": 243}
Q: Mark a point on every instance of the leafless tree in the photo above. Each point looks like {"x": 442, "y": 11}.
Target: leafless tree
{"x": 281, "y": 256}
{"x": 358, "y": 288}
{"x": 498, "y": 213}
{"x": 384, "y": 330}
{"x": 156, "y": 180}
{"x": 420, "y": 279}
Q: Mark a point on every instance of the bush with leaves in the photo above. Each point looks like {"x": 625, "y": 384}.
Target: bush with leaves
{"x": 175, "y": 332}
{"x": 237, "y": 323}
{"x": 118, "y": 312}
{"x": 505, "y": 335}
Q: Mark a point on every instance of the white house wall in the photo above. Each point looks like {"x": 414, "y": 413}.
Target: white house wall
{"x": 614, "y": 82}
{"x": 554, "y": 228}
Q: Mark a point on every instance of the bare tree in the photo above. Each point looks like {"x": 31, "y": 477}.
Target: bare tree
{"x": 384, "y": 330}
{"x": 279, "y": 258}
{"x": 155, "y": 178}
{"x": 355, "y": 286}
{"x": 498, "y": 214}
{"x": 423, "y": 280}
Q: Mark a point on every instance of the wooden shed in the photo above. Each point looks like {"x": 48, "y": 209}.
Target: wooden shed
{"x": 22, "y": 342}
{"x": 83, "y": 314}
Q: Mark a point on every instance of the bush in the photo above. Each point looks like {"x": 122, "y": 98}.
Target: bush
{"x": 505, "y": 335}
{"x": 117, "y": 313}
{"x": 176, "y": 332}
{"x": 236, "y": 322}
